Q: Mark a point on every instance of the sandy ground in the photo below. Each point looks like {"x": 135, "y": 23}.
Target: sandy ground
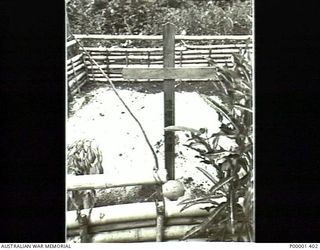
{"x": 99, "y": 115}
{"x": 125, "y": 152}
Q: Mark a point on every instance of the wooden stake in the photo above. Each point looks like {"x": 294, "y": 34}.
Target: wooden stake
{"x": 169, "y": 98}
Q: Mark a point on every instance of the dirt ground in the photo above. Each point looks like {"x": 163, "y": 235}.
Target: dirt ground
{"x": 96, "y": 113}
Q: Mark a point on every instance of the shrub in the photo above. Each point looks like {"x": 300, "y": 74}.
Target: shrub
{"x": 231, "y": 194}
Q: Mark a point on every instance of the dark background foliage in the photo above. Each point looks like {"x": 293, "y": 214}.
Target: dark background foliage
{"x": 193, "y": 17}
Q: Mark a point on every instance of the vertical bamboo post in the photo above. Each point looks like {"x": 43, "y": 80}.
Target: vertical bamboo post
{"x": 108, "y": 63}
{"x": 148, "y": 63}
{"x": 84, "y": 229}
{"x": 85, "y": 68}
{"x": 159, "y": 227}
{"x": 169, "y": 98}
{"x": 210, "y": 52}
{"x": 92, "y": 70}
{"x": 127, "y": 59}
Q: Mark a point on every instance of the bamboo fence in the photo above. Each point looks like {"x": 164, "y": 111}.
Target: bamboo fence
{"x": 138, "y": 222}
{"x": 76, "y": 70}
{"x": 113, "y": 59}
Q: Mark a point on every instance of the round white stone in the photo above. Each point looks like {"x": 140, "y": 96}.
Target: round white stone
{"x": 173, "y": 190}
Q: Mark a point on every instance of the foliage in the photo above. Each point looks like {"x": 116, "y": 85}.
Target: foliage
{"x": 83, "y": 158}
{"x": 231, "y": 195}
{"x": 145, "y": 17}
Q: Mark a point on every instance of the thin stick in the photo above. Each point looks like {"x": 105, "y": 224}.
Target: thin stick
{"x": 125, "y": 105}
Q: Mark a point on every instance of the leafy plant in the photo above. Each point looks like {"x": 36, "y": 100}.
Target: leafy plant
{"x": 231, "y": 194}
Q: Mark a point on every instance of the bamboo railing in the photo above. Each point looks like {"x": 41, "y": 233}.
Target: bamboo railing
{"x": 76, "y": 71}
{"x": 137, "y": 222}
{"x": 113, "y": 60}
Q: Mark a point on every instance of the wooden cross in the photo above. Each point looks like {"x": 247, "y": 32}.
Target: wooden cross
{"x": 169, "y": 74}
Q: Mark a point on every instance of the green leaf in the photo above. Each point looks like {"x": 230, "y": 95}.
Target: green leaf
{"x": 220, "y": 184}
{"x": 204, "y": 225}
{"x": 239, "y": 106}
{"x": 206, "y": 199}
{"x": 190, "y": 204}
{"x": 220, "y": 109}
{"x": 182, "y": 128}
{"x": 208, "y": 175}
{"x": 191, "y": 232}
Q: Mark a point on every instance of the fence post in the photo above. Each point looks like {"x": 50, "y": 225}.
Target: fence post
{"x": 169, "y": 98}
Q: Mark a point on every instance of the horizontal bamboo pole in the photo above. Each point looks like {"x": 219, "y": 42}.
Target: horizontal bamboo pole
{"x": 220, "y": 46}
{"x": 114, "y": 63}
{"x": 211, "y": 52}
{"x": 76, "y": 63}
{"x": 177, "y": 49}
{"x": 186, "y": 54}
{"x": 155, "y": 66}
{"x": 75, "y": 69}
{"x": 159, "y": 64}
{"x": 143, "y": 80}
{"x": 106, "y": 49}
{"x": 177, "y": 53}
{"x": 76, "y": 79}
{"x": 136, "y": 224}
{"x": 111, "y": 75}
{"x": 70, "y": 43}
{"x": 79, "y": 75}
{"x": 74, "y": 88}
{"x": 157, "y": 57}
{"x": 213, "y": 37}
{"x": 118, "y": 77}
{"x": 160, "y": 37}
{"x": 133, "y": 212}
{"x": 121, "y": 66}
{"x": 74, "y": 59}
{"x": 100, "y": 181}
{"x": 96, "y": 72}
{"x": 118, "y": 37}
{"x": 140, "y": 234}
{"x": 102, "y": 80}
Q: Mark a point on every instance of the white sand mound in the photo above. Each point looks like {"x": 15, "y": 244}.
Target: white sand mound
{"x": 123, "y": 146}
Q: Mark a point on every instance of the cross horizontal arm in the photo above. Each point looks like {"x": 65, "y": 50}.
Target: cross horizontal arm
{"x": 169, "y": 73}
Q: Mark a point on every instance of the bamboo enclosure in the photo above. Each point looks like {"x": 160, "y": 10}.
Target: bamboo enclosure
{"x": 114, "y": 60}
{"x": 138, "y": 222}
{"x": 80, "y": 70}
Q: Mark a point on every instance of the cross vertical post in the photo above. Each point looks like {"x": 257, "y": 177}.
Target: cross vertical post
{"x": 169, "y": 99}
{"x": 169, "y": 73}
